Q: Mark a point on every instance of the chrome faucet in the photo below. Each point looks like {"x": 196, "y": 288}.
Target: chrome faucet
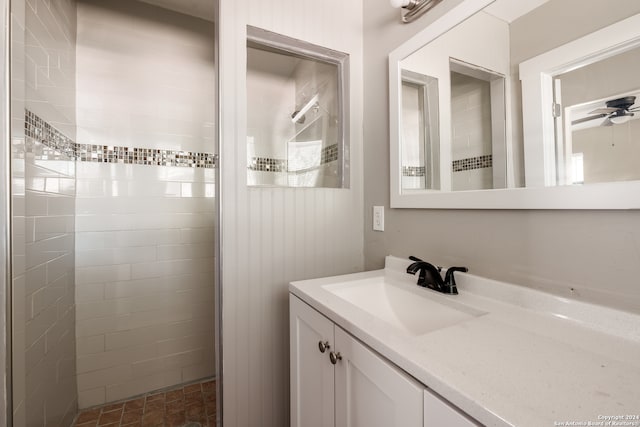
{"x": 430, "y": 276}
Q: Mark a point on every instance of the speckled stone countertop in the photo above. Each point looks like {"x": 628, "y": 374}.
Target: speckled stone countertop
{"x": 532, "y": 359}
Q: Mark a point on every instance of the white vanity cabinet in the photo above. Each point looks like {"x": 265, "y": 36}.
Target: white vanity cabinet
{"x": 360, "y": 390}
{"x": 312, "y": 374}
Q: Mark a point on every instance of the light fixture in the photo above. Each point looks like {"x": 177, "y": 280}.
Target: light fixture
{"x": 298, "y": 116}
{"x": 621, "y": 117}
{"x": 414, "y": 8}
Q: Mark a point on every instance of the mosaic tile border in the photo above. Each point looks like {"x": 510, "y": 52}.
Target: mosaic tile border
{"x": 414, "y": 171}
{"x": 268, "y": 164}
{"x": 473, "y": 163}
{"x": 54, "y": 142}
{"x": 47, "y": 135}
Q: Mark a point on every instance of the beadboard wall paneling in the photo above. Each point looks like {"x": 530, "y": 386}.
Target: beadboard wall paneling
{"x": 271, "y": 236}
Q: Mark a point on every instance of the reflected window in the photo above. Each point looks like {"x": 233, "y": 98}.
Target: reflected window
{"x": 296, "y": 122}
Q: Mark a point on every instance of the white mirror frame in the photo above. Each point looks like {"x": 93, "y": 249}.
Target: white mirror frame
{"x": 536, "y": 75}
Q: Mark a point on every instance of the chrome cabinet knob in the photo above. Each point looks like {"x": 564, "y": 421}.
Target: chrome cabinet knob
{"x": 323, "y": 346}
{"x": 334, "y": 357}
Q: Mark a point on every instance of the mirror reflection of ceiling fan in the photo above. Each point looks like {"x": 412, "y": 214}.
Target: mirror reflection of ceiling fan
{"x": 617, "y": 111}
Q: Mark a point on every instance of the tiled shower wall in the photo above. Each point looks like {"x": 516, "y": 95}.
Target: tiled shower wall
{"x": 144, "y": 233}
{"x": 471, "y": 127}
{"x": 43, "y": 68}
{"x": 144, "y": 277}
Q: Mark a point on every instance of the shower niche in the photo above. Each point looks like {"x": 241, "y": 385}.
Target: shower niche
{"x": 297, "y": 122}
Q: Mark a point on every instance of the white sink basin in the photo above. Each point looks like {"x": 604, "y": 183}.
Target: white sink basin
{"x": 413, "y": 310}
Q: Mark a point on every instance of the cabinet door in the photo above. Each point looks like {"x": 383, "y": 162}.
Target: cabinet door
{"x": 370, "y": 391}
{"x": 312, "y": 374}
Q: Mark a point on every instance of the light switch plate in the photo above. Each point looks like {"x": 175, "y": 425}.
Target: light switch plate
{"x": 378, "y": 218}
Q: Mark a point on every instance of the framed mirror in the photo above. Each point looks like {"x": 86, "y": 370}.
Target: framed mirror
{"x": 490, "y": 110}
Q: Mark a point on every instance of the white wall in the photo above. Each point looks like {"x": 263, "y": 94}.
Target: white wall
{"x": 274, "y": 235}
{"x": 610, "y": 153}
{"x": 43, "y": 61}
{"x": 471, "y": 130}
{"x": 144, "y": 233}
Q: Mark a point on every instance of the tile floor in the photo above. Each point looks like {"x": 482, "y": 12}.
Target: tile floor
{"x": 182, "y": 406}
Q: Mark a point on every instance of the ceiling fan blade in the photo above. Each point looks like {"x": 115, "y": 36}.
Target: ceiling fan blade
{"x": 604, "y": 110}
{"x": 634, "y": 109}
{"x": 589, "y": 118}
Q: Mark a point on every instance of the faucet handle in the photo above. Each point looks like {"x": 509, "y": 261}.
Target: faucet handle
{"x": 450, "y": 280}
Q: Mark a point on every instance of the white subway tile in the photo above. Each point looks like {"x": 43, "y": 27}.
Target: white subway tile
{"x": 48, "y": 225}
{"x": 35, "y": 279}
{"x": 94, "y": 397}
{"x": 35, "y": 353}
{"x": 62, "y": 331}
{"x": 197, "y": 235}
{"x": 37, "y": 326}
{"x": 146, "y": 237}
{"x": 36, "y": 203}
{"x": 200, "y": 371}
{"x": 49, "y": 249}
{"x": 90, "y": 345}
{"x": 61, "y": 205}
{"x": 142, "y": 385}
{"x": 127, "y": 213}
{"x": 186, "y": 251}
{"x": 161, "y": 364}
{"x": 102, "y": 325}
{"x": 104, "y": 377}
{"x": 44, "y": 298}
{"x": 181, "y": 344}
{"x": 174, "y": 267}
{"x": 108, "y": 359}
{"x": 96, "y": 257}
{"x": 101, "y": 274}
{"x": 95, "y": 240}
{"x": 98, "y": 310}
{"x": 154, "y": 317}
{"x": 154, "y": 285}
{"x": 60, "y": 266}
{"x": 89, "y": 292}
